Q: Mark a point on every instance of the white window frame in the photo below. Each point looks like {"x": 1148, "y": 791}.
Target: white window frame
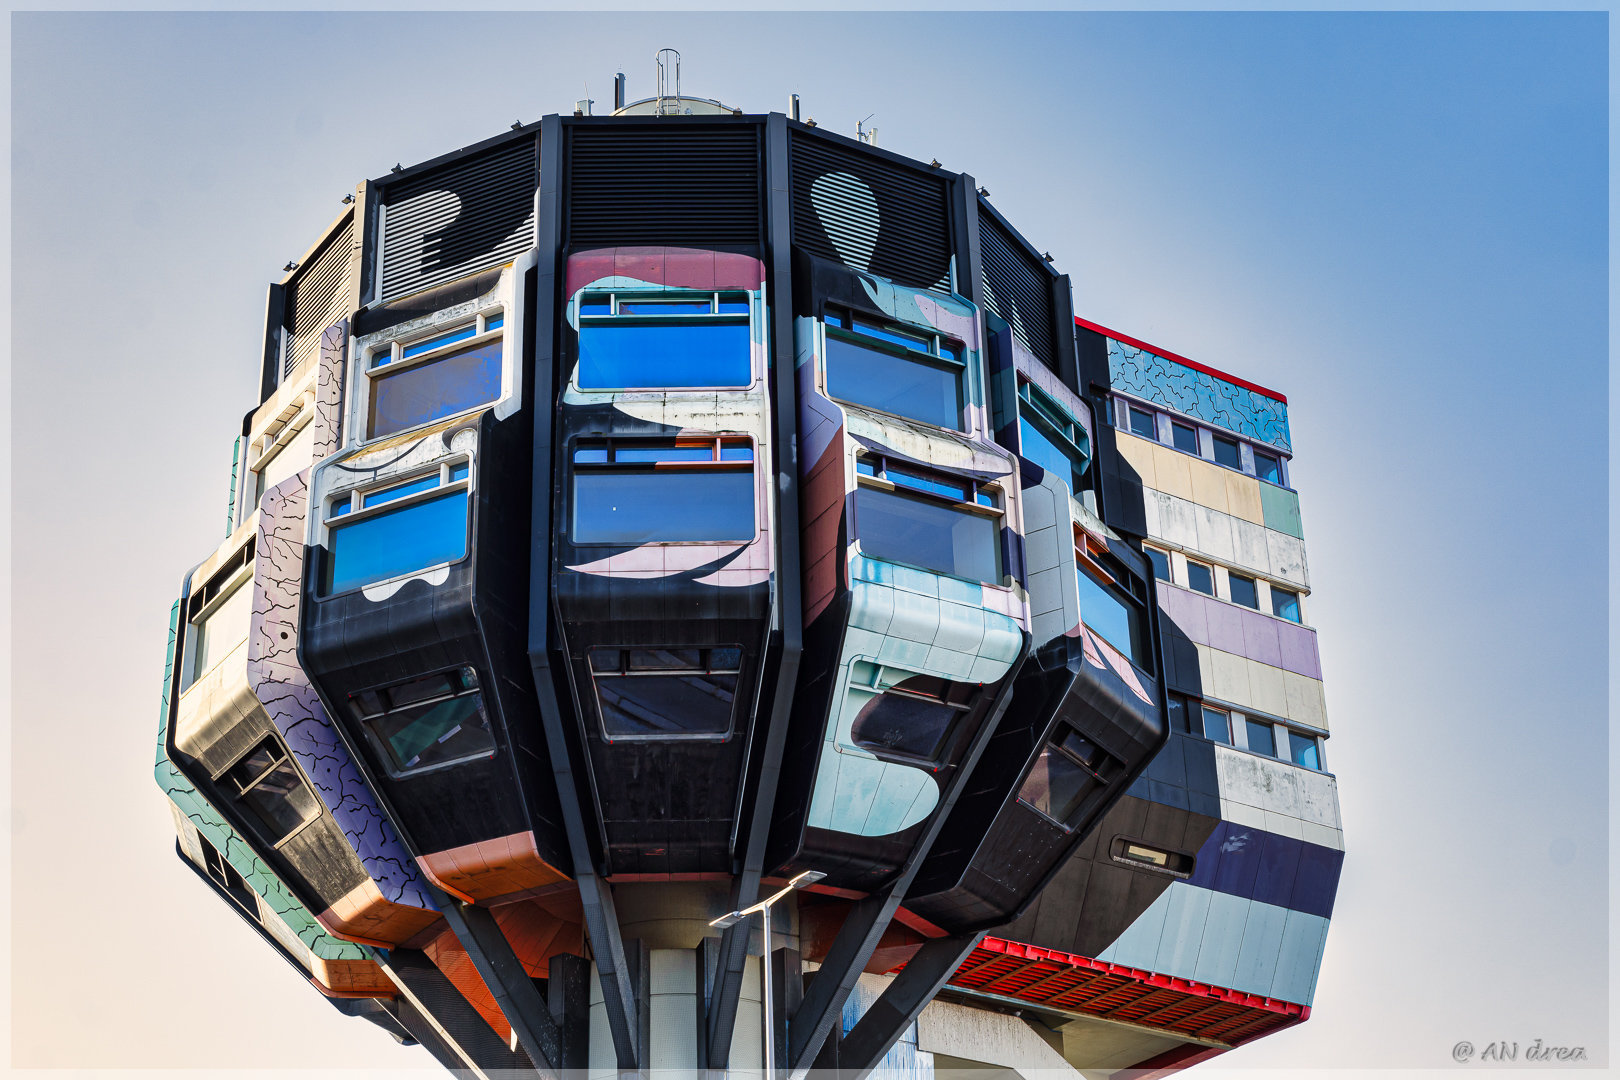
{"x": 366, "y": 366}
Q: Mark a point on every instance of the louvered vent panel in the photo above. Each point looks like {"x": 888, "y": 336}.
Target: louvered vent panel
{"x": 317, "y": 296}
{"x": 871, "y": 214}
{"x": 683, "y": 184}
{"x": 460, "y": 218}
{"x": 1018, "y": 287}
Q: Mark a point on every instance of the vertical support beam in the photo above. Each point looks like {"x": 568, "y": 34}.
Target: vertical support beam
{"x": 365, "y": 241}
{"x": 887, "y": 1018}
{"x": 275, "y": 314}
{"x": 450, "y": 1016}
{"x": 787, "y": 979}
{"x": 1068, "y": 362}
{"x": 515, "y": 992}
{"x": 787, "y": 631}
{"x": 568, "y": 996}
{"x": 965, "y": 236}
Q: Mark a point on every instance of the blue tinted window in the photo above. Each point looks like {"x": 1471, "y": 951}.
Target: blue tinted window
{"x": 954, "y": 489}
{"x": 420, "y": 347}
{"x": 1184, "y": 437}
{"x": 399, "y": 491}
{"x": 1243, "y": 591}
{"x": 1285, "y": 604}
{"x": 1267, "y": 467}
{"x": 1104, "y": 609}
{"x": 397, "y": 542}
{"x": 917, "y": 388}
{"x": 736, "y": 452}
{"x": 494, "y": 322}
{"x": 1302, "y": 750}
{"x": 1161, "y": 563}
{"x": 628, "y": 508}
{"x": 1200, "y": 578}
{"x": 591, "y": 455}
{"x": 1048, "y": 453}
{"x": 1262, "y": 739}
{"x": 894, "y": 337}
{"x": 935, "y": 536}
{"x": 614, "y": 355}
{"x": 648, "y": 454}
{"x": 424, "y": 392}
{"x": 1226, "y": 453}
{"x": 666, "y": 307}
{"x": 596, "y": 305}
{"x": 1142, "y": 424}
{"x": 458, "y": 472}
{"x": 1217, "y": 725}
{"x": 733, "y": 307}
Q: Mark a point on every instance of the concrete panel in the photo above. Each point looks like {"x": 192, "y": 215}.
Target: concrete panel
{"x": 1260, "y": 638}
{"x": 1178, "y": 521}
{"x": 1281, "y": 509}
{"x": 1215, "y": 534}
{"x": 1229, "y": 676}
{"x": 1299, "y": 653}
{"x": 1249, "y": 542}
{"x": 1223, "y": 937}
{"x": 1258, "y": 781}
{"x": 1099, "y": 1048}
{"x": 1318, "y": 799}
{"x": 1138, "y": 453}
{"x": 1297, "y": 960}
{"x": 982, "y": 1037}
{"x": 1322, "y": 835}
{"x": 1287, "y": 558}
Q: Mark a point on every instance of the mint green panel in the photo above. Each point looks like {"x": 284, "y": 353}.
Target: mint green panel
{"x": 1280, "y": 507}
{"x": 259, "y": 877}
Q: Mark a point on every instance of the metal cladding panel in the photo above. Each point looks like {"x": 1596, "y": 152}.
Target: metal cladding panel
{"x": 317, "y": 295}
{"x": 1018, "y": 287}
{"x": 459, "y": 218}
{"x": 675, "y": 182}
{"x": 870, "y": 213}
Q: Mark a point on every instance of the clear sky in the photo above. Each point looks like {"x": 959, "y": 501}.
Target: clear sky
{"x": 1399, "y": 221}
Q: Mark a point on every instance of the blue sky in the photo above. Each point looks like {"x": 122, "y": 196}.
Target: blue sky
{"x": 1398, "y": 220}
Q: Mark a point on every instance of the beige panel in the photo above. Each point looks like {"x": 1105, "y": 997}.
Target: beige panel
{"x": 1175, "y": 472}
{"x": 1305, "y": 700}
{"x": 1208, "y": 484}
{"x": 1230, "y": 677}
{"x": 1243, "y": 497}
{"x": 1215, "y": 534}
{"x": 1266, "y": 692}
{"x": 1138, "y": 454}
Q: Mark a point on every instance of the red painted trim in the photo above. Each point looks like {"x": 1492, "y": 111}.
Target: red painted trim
{"x": 918, "y": 923}
{"x": 1168, "y": 355}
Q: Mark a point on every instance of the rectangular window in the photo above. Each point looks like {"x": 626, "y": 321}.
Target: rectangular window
{"x": 1160, "y": 561}
{"x": 1200, "y": 577}
{"x": 913, "y": 718}
{"x": 426, "y": 723}
{"x": 664, "y": 692}
{"x": 1184, "y": 437}
{"x": 375, "y": 534}
{"x": 419, "y": 382}
{"x": 1262, "y": 738}
{"x": 1285, "y": 604}
{"x": 912, "y": 373}
{"x": 664, "y": 341}
{"x": 269, "y": 791}
{"x": 1217, "y": 725}
{"x": 663, "y": 491}
{"x": 1051, "y": 438}
{"x": 1135, "y": 853}
{"x": 296, "y": 453}
{"x": 1108, "y": 607}
{"x": 1267, "y": 467}
{"x": 1244, "y": 591}
{"x": 220, "y": 629}
{"x": 1226, "y": 453}
{"x": 1142, "y": 423}
{"x": 1069, "y": 770}
{"x": 947, "y": 524}
{"x": 1302, "y": 750}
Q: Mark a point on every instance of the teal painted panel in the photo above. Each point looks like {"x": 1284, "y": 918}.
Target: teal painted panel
{"x": 1301, "y": 953}
{"x": 237, "y": 463}
{"x": 1223, "y": 937}
{"x": 259, "y": 877}
{"x": 1262, "y": 942}
{"x": 1194, "y": 393}
{"x": 1280, "y": 507}
{"x": 1138, "y": 946}
{"x": 1183, "y": 930}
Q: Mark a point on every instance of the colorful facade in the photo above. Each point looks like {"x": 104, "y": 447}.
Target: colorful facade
{"x": 646, "y": 511}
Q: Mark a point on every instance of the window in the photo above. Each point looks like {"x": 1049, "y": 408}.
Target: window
{"x": 1050, "y": 438}
{"x": 221, "y": 626}
{"x": 664, "y": 340}
{"x": 1303, "y": 750}
{"x": 289, "y": 452}
{"x": 226, "y": 877}
{"x": 913, "y": 718}
{"x": 910, "y": 372}
{"x": 934, "y": 521}
{"x": 664, "y": 491}
{"x": 1136, "y": 853}
{"x": 1285, "y": 604}
{"x": 1217, "y": 725}
{"x": 1200, "y": 577}
{"x": 418, "y": 382}
{"x": 269, "y": 792}
{"x": 1142, "y": 423}
{"x": 1262, "y": 739}
{"x": 1268, "y": 467}
{"x": 426, "y": 723}
{"x": 666, "y": 691}
{"x": 1111, "y": 604}
{"x": 1160, "y": 561}
{"x": 1243, "y": 590}
{"x": 1069, "y": 770}
{"x": 375, "y": 534}
{"x": 1226, "y": 453}
{"x": 1184, "y": 437}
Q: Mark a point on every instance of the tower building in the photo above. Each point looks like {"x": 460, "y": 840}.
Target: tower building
{"x": 646, "y": 513}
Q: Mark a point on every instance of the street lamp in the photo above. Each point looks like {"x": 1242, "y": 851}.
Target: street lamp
{"x": 809, "y": 877}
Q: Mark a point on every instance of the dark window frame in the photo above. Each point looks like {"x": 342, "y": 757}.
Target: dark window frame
{"x": 236, "y": 791}
{"x": 1094, "y": 559}
{"x": 1057, "y": 741}
{"x": 932, "y": 356}
{"x": 472, "y": 686}
{"x": 1047, "y": 417}
{"x": 348, "y": 506}
{"x": 984, "y": 498}
{"x": 963, "y": 706}
{"x": 611, "y": 444}
{"x": 373, "y": 368}
{"x": 626, "y": 671}
{"x": 1177, "y": 864}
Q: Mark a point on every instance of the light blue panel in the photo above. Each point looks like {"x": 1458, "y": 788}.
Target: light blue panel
{"x": 1197, "y": 394}
{"x": 1138, "y": 946}
{"x": 1183, "y": 930}
{"x": 1262, "y": 941}
{"x": 1223, "y": 937}
{"x": 1301, "y": 952}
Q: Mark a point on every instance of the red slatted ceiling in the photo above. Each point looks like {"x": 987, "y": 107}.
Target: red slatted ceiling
{"x": 1080, "y": 984}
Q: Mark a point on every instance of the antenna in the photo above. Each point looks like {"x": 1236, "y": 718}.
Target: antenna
{"x": 669, "y": 79}
{"x": 618, "y": 91}
{"x": 867, "y": 135}
{"x": 793, "y": 106}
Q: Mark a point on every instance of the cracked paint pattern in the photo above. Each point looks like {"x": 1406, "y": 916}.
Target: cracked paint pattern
{"x": 1202, "y": 396}
{"x": 284, "y": 690}
{"x": 208, "y": 821}
{"x": 329, "y": 375}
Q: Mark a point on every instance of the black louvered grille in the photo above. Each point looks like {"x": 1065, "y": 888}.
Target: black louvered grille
{"x": 684, "y": 184}
{"x": 318, "y": 295}
{"x": 460, "y": 218}
{"x": 1018, "y": 287}
{"x": 871, "y": 214}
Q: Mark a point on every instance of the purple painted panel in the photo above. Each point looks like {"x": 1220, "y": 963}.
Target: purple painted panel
{"x": 1225, "y": 626}
{"x": 1299, "y": 650}
{"x": 1237, "y": 630}
{"x": 1260, "y": 638}
{"x": 296, "y": 710}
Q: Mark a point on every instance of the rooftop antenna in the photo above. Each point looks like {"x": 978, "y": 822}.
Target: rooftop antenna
{"x": 618, "y": 91}
{"x": 582, "y": 107}
{"x": 793, "y": 106}
{"x": 669, "y": 82}
{"x": 867, "y": 135}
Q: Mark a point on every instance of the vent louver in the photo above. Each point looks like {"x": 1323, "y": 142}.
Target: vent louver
{"x": 692, "y": 185}
{"x": 1017, "y": 286}
{"x": 459, "y": 218}
{"x": 317, "y": 296}
{"x": 870, "y": 213}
